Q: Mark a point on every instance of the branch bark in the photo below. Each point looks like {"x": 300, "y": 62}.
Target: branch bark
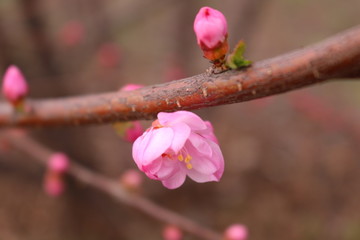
{"x": 336, "y": 57}
{"x": 39, "y": 152}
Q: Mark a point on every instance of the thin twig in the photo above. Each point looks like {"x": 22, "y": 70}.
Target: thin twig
{"x": 336, "y": 57}
{"x": 113, "y": 188}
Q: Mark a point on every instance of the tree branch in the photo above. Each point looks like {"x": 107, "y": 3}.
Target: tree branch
{"x": 111, "y": 187}
{"x": 336, "y": 57}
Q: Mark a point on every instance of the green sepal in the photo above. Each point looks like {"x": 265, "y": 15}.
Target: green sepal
{"x": 236, "y": 59}
{"x": 19, "y": 106}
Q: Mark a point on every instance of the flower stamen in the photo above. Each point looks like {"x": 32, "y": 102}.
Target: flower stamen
{"x": 188, "y": 158}
{"x": 189, "y": 166}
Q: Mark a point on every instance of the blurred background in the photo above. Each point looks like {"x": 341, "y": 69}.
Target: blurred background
{"x": 292, "y": 161}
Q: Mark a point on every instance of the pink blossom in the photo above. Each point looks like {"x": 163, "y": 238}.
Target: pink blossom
{"x": 58, "y": 162}
{"x": 53, "y": 184}
{"x": 72, "y": 33}
{"x": 132, "y": 179}
{"x": 131, "y": 86}
{"x": 210, "y": 27}
{"x": 134, "y": 131}
{"x": 108, "y": 55}
{"x": 171, "y": 232}
{"x": 236, "y": 232}
{"x": 14, "y": 86}
{"x": 179, "y": 144}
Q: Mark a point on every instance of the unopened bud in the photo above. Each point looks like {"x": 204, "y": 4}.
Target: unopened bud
{"x": 130, "y": 87}
{"x": 14, "y": 86}
{"x": 171, "y": 232}
{"x": 236, "y": 232}
{"x": 58, "y": 162}
{"x": 108, "y": 55}
{"x": 210, "y": 27}
{"x": 53, "y": 184}
{"x": 72, "y": 33}
{"x": 132, "y": 179}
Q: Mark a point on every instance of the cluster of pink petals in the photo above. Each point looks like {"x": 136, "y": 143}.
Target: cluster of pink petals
{"x": 210, "y": 27}
{"x": 58, "y": 164}
{"x": 179, "y": 144}
{"x": 14, "y": 85}
{"x": 236, "y": 232}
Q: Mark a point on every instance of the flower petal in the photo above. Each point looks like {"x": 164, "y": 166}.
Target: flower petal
{"x": 140, "y": 141}
{"x": 201, "y": 177}
{"x": 203, "y": 165}
{"x": 200, "y": 144}
{"x": 209, "y": 132}
{"x": 218, "y": 159}
{"x": 151, "y": 145}
{"x": 181, "y": 134}
{"x": 210, "y": 26}
{"x": 189, "y": 118}
{"x": 200, "y": 162}
{"x": 168, "y": 167}
{"x": 175, "y": 180}
{"x": 152, "y": 168}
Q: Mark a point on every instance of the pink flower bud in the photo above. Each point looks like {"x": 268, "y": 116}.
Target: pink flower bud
{"x": 179, "y": 144}
{"x": 172, "y": 233}
{"x": 14, "y": 86}
{"x": 236, "y": 232}
{"x": 129, "y": 131}
{"x": 133, "y": 132}
{"x": 132, "y": 179}
{"x": 108, "y": 55}
{"x": 72, "y": 33}
{"x": 58, "y": 162}
{"x": 210, "y": 27}
{"x": 53, "y": 184}
{"x": 130, "y": 87}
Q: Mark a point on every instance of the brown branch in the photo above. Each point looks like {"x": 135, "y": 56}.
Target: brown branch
{"x": 336, "y": 57}
{"x": 111, "y": 187}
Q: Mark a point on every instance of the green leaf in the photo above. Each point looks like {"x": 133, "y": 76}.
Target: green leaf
{"x": 236, "y": 59}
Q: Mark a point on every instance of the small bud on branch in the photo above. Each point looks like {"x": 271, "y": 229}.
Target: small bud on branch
{"x": 14, "y": 86}
{"x": 57, "y": 165}
{"x": 236, "y": 232}
{"x": 210, "y": 27}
